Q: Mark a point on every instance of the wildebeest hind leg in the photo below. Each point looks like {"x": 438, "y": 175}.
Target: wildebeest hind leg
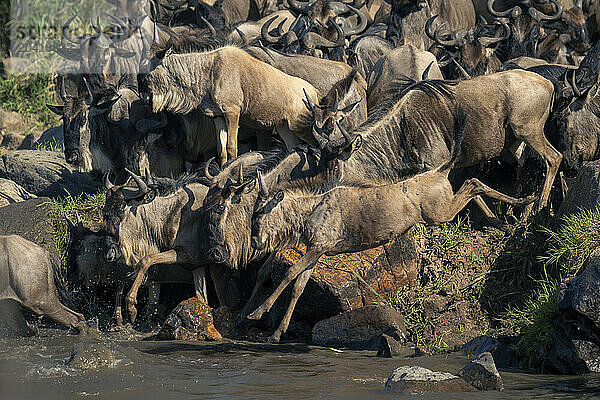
{"x": 10, "y": 312}
{"x": 306, "y": 262}
{"x": 299, "y": 286}
{"x": 54, "y": 309}
{"x": 261, "y": 277}
{"x": 200, "y": 283}
{"x": 233, "y": 121}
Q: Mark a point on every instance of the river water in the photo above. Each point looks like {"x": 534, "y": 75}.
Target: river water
{"x": 38, "y": 368}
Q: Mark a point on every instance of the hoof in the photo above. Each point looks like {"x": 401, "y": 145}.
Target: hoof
{"x": 256, "y": 315}
{"x": 274, "y": 338}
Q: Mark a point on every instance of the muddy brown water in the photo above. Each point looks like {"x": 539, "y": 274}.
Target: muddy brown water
{"x": 37, "y": 368}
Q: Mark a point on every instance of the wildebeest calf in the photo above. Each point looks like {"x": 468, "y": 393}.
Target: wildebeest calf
{"x": 27, "y": 279}
{"x": 350, "y": 218}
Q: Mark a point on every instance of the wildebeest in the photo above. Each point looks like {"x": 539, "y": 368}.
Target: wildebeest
{"x": 27, "y": 278}
{"x": 232, "y": 87}
{"x": 162, "y": 224}
{"x": 414, "y": 126}
{"x": 354, "y": 218}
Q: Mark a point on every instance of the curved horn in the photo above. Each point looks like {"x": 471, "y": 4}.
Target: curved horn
{"x": 241, "y": 174}
{"x": 488, "y": 41}
{"x": 261, "y": 185}
{"x": 67, "y": 33}
{"x": 210, "y": 27}
{"x": 336, "y": 102}
{"x": 90, "y": 96}
{"x": 96, "y": 26}
{"x": 457, "y": 42}
{"x": 119, "y": 22}
{"x": 264, "y": 31}
{"x": 539, "y": 16}
{"x": 362, "y": 22}
{"x": 142, "y": 187}
{"x": 294, "y": 5}
{"x": 206, "y": 172}
{"x": 425, "y": 73}
{"x": 574, "y": 84}
{"x": 242, "y": 36}
{"x": 490, "y": 7}
{"x": 430, "y": 34}
{"x": 312, "y": 39}
{"x": 308, "y": 101}
{"x": 107, "y": 183}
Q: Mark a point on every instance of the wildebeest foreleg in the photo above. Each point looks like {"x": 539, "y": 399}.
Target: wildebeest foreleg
{"x": 299, "y": 286}
{"x": 489, "y": 214}
{"x": 179, "y": 256}
{"x": 473, "y": 188}
{"x": 200, "y": 283}
{"x": 54, "y": 309}
{"x": 233, "y": 122}
{"x": 221, "y": 128}
{"x": 153, "y": 298}
{"x": 306, "y": 262}
{"x": 118, "y": 303}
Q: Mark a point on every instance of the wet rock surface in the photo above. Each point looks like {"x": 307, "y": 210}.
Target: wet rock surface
{"x": 487, "y": 344}
{"x": 191, "y": 320}
{"x": 584, "y": 192}
{"x": 414, "y": 379}
{"x": 481, "y": 373}
{"x": 348, "y": 281}
{"x": 30, "y": 219}
{"x": 360, "y": 329}
{"x": 10, "y": 193}
{"x": 45, "y": 173}
{"x": 390, "y": 347}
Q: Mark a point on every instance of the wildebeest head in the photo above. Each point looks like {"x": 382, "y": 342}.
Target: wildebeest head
{"x": 577, "y": 127}
{"x": 265, "y": 223}
{"x": 91, "y": 254}
{"x": 81, "y": 116}
{"x": 465, "y": 54}
{"x": 119, "y": 197}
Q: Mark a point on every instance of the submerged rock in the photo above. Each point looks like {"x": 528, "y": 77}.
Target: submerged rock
{"x": 92, "y": 356}
{"x": 414, "y": 379}
{"x": 360, "y": 329}
{"x": 190, "y": 320}
{"x": 481, "y": 373}
{"x": 45, "y": 173}
{"x": 10, "y": 192}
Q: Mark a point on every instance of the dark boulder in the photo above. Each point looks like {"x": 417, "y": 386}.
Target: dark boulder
{"x": 30, "y": 219}
{"x": 360, "y": 329}
{"x": 45, "y": 173}
{"x": 481, "y": 373}
{"x": 52, "y": 138}
{"x": 482, "y": 344}
{"x": 414, "y": 379}
{"x": 391, "y": 347}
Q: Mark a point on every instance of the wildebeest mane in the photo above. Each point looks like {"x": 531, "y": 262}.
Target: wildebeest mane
{"x": 399, "y": 88}
{"x": 184, "y": 44}
{"x": 165, "y": 187}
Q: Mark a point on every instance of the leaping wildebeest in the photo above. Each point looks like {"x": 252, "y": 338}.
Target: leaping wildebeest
{"x": 231, "y": 86}
{"x": 27, "y": 278}
{"x": 354, "y": 218}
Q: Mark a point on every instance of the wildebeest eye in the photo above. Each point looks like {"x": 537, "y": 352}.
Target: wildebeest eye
{"x": 329, "y": 125}
{"x": 221, "y": 208}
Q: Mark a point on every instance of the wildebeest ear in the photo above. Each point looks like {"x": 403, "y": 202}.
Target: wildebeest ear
{"x": 69, "y": 54}
{"x": 250, "y": 186}
{"x": 357, "y": 142}
{"x": 351, "y": 107}
{"x": 104, "y": 107}
{"x": 60, "y": 110}
{"x": 279, "y": 196}
{"x": 123, "y": 53}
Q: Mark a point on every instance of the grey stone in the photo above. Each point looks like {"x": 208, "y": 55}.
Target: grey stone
{"x": 51, "y": 138}
{"x": 11, "y": 141}
{"x": 481, "y": 344}
{"x": 360, "y": 328}
{"x": 10, "y": 192}
{"x": 414, "y": 379}
{"x": 584, "y": 193}
{"x": 481, "y": 373}
{"x": 12, "y": 121}
{"x": 45, "y": 173}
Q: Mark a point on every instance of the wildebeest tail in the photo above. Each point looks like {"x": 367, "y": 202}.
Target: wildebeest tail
{"x": 63, "y": 294}
{"x": 460, "y": 121}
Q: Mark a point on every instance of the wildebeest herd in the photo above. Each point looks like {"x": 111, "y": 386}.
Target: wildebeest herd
{"x": 331, "y": 123}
